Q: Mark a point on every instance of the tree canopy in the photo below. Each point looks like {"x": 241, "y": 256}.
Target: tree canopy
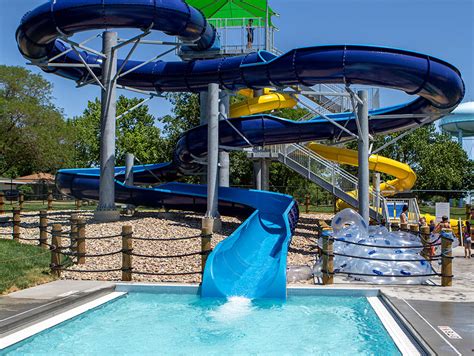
{"x": 439, "y": 162}
{"x": 135, "y": 133}
{"x": 34, "y": 135}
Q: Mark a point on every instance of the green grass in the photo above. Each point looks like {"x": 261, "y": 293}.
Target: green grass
{"x": 36, "y": 205}
{"x": 22, "y": 266}
{"x": 454, "y": 212}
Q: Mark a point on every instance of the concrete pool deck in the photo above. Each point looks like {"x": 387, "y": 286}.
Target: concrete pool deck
{"x": 442, "y": 317}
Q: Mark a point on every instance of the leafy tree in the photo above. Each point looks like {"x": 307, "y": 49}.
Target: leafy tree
{"x": 135, "y": 133}
{"x": 439, "y": 162}
{"x": 34, "y": 135}
{"x": 185, "y": 116}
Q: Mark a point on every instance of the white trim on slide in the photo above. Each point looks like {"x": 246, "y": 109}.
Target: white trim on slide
{"x": 55, "y": 320}
{"x": 403, "y": 342}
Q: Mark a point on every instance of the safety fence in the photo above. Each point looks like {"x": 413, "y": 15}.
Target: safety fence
{"x": 444, "y": 240}
{"x": 47, "y": 199}
{"x": 69, "y": 247}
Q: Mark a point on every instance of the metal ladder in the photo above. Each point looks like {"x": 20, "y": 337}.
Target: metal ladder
{"x": 328, "y": 175}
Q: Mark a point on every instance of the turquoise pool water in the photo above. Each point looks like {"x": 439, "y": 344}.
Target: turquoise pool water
{"x": 170, "y": 324}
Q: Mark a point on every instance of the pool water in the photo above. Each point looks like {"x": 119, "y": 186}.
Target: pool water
{"x": 170, "y": 324}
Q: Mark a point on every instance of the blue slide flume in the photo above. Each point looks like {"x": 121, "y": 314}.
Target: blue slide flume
{"x": 252, "y": 261}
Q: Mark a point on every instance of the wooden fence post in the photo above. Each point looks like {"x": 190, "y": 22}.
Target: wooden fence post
{"x": 56, "y": 250}
{"x": 78, "y": 204}
{"x": 2, "y": 203}
{"x": 328, "y": 259}
{"x": 21, "y": 200}
{"x": 50, "y": 200}
{"x": 127, "y": 245}
{"x": 414, "y": 229}
{"x": 73, "y": 232}
{"x": 43, "y": 227}
{"x": 425, "y": 240}
{"x": 206, "y": 235}
{"x": 395, "y": 226}
{"x": 81, "y": 241}
{"x": 446, "y": 260}
{"x": 16, "y": 224}
{"x": 306, "y": 203}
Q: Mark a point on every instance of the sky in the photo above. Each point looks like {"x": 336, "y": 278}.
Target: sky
{"x": 440, "y": 28}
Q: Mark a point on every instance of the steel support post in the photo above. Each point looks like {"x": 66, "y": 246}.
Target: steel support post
{"x": 261, "y": 166}
{"x": 265, "y": 176}
{"x": 203, "y": 121}
{"x": 377, "y": 194}
{"x": 106, "y": 209}
{"x": 224, "y": 161}
{"x": 203, "y": 107}
{"x": 363, "y": 155}
{"x": 257, "y": 173}
{"x": 129, "y": 159}
{"x": 212, "y": 150}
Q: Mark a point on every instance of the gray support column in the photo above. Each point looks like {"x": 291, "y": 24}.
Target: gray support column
{"x": 224, "y": 162}
{"x": 106, "y": 209}
{"x": 265, "y": 176}
{"x": 212, "y": 150}
{"x": 203, "y": 121}
{"x": 129, "y": 160}
{"x": 203, "y": 107}
{"x": 377, "y": 192}
{"x": 363, "y": 157}
{"x": 257, "y": 174}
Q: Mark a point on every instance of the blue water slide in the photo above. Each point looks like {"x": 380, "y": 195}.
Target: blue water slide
{"x": 252, "y": 261}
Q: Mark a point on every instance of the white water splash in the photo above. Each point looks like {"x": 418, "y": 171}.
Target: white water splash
{"x": 235, "y": 308}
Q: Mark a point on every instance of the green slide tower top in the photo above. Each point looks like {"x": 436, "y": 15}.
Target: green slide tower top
{"x": 236, "y": 12}
{"x": 231, "y": 18}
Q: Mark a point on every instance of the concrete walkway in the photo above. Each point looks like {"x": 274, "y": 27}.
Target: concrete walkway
{"x": 429, "y": 309}
{"x": 22, "y": 308}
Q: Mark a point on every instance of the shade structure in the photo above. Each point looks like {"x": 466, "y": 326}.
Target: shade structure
{"x": 236, "y": 12}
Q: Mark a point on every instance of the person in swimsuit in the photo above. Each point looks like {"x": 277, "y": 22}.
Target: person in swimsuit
{"x": 250, "y": 32}
{"x": 444, "y": 224}
{"x": 467, "y": 240}
{"x": 404, "y": 215}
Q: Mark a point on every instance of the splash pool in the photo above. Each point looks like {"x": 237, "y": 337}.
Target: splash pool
{"x": 169, "y": 323}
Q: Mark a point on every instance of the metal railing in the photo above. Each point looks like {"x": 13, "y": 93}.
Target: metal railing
{"x": 328, "y": 175}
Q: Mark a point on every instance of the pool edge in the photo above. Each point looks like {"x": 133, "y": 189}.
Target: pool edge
{"x": 31, "y": 330}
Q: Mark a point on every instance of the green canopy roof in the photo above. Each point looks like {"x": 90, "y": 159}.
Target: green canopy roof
{"x": 234, "y": 12}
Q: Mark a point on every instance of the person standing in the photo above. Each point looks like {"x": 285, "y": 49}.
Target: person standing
{"x": 250, "y": 33}
{"x": 467, "y": 240}
{"x": 404, "y": 215}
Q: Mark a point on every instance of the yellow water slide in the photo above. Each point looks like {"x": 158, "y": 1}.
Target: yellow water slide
{"x": 405, "y": 177}
{"x": 266, "y": 102}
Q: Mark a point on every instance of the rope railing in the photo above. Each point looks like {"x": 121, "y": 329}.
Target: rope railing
{"x": 446, "y": 258}
{"x": 52, "y": 233}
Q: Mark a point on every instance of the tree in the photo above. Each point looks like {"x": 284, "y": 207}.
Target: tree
{"x": 439, "y": 162}
{"x": 135, "y": 133}
{"x": 34, "y": 135}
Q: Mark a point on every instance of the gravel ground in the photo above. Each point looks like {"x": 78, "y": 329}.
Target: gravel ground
{"x": 158, "y": 225}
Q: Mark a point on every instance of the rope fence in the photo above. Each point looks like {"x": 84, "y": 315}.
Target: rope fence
{"x": 48, "y": 199}
{"x": 446, "y": 256}
{"x": 75, "y": 251}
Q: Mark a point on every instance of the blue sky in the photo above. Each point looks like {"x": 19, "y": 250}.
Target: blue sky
{"x": 441, "y": 28}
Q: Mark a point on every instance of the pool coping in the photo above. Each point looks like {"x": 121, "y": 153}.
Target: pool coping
{"x": 36, "y": 328}
{"x": 405, "y": 338}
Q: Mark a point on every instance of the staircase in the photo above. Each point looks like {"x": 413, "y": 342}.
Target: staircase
{"x": 327, "y": 175}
